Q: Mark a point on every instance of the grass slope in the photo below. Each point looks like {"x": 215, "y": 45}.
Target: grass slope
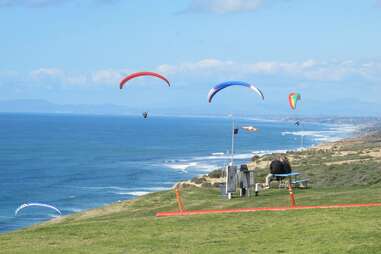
{"x": 350, "y": 169}
{"x": 131, "y": 227}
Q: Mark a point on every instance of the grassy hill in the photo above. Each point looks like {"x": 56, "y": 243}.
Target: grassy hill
{"x": 344, "y": 172}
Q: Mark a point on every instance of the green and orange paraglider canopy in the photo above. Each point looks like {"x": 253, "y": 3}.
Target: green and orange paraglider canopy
{"x": 293, "y": 98}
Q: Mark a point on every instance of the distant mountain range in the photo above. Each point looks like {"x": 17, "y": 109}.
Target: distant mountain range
{"x": 343, "y": 108}
{"x": 42, "y": 106}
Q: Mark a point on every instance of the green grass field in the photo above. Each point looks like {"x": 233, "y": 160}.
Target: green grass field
{"x": 349, "y": 173}
{"x": 131, "y": 227}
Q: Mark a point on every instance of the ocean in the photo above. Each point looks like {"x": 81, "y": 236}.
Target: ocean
{"x": 78, "y": 162}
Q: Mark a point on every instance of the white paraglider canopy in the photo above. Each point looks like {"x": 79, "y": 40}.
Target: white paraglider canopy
{"x": 38, "y": 205}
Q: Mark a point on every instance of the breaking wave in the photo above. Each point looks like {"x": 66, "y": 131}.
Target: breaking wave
{"x": 133, "y": 193}
{"x": 333, "y": 134}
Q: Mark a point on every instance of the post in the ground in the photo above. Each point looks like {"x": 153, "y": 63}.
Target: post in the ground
{"x": 178, "y": 199}
{"x": 292, "y": 195}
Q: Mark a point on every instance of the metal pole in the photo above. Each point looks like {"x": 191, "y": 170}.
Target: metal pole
{"x": 232, "y": 158}
{"x": 302, "y": 125}
{"x": 302, "y": 137}
{"x": 226, "y": 183}
{"x": 232, "y": 151}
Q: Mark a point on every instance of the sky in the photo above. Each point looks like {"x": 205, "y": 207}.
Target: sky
{"x": 76, "y": 51}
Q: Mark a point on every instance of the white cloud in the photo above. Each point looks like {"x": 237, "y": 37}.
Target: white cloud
{"x": 97, "y": 77}
{"x": 78, "y": 79}
{"x": 51, "y": 76}
{"x": 232, "y": 6}
{"x": 223, "y": 6}
{"x": 42, "y": 73}
{"x": 308, "y": 70}
{"x": 107, "y": 76}
{"x": 333, "y": 70}
{"x": 205, "y": 65}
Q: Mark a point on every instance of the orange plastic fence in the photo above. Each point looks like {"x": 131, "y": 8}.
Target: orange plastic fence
{"x": 241, "y": 210}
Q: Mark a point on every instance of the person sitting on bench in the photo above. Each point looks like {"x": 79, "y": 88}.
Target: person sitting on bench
{"x": 280, "y": 165}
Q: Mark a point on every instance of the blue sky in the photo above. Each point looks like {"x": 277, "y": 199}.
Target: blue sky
{"x": 75, "y": 52}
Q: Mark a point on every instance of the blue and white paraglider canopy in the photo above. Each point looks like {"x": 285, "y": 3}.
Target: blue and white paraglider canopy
{"x": 224, "y": 85}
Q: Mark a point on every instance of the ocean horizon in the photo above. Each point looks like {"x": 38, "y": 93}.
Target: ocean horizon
{"x": 79, "y": 162}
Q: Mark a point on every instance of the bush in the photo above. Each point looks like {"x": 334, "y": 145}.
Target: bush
{"x": 216, "y": 173}
{"x": 198, "y": 180}
{"x": 206, "y": 185}
{"x": 255, "y": 157}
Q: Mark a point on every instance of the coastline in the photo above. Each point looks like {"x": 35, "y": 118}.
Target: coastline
{"x": 209, "y": 182}
{"x": 343, "y": 172}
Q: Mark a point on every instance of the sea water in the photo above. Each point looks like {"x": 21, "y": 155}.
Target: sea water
{"x": 78, "y": 162}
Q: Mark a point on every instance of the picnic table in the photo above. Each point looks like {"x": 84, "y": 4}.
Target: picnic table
{"x": 292, "y": 177}
{"x": 292, "y": 174}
